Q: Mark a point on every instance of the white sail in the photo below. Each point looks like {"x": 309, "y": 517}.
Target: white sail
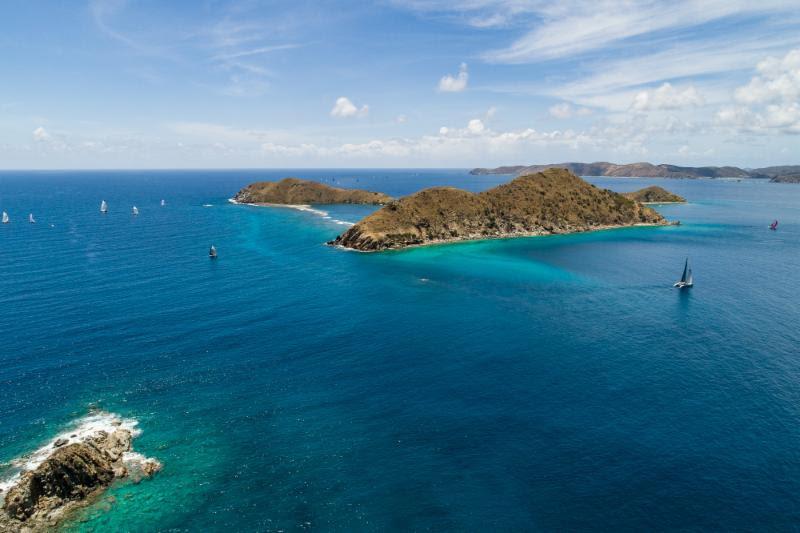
{"x": 103, "y": 207}
{"x": 135, "y": 210}
{"x": 163, "y": 203}
{"x": 31, "y": 219}
{"x": 5, "y": 218}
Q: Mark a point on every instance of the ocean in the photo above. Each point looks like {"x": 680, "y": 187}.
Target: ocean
{"x": 543, "y": 383}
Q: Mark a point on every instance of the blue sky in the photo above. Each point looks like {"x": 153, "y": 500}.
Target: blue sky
{"x": 397, "y": 83}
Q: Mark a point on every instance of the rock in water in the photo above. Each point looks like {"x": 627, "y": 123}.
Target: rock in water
{"x": 549, "y": 202}
{"x": 70, "y": 471}
{"x": 293, "y": 191}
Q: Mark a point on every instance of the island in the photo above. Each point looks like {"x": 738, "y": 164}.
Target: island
{"x": 786, "y": 178}
{"x": 654, "y": 195}
{"x": 633, "y": 170}
{"x": 70, "y": 472}
{"x": 294, "y": 191}
{"x": 550, "y": 202}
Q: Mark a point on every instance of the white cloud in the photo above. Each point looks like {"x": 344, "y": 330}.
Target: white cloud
{"x": 778, "y": 80}
{"x": 455, "y": 84}
{"x": 40, "y": 134}
{"x": 476, "y": 126}
{"x": 564, "y": 111}
{"x": 666, "y": 97}
{"x": 769, "y": 102}
{"x": 344, "y": 108}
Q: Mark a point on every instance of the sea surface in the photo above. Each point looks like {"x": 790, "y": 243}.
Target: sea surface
{"x": 549, "y": 383}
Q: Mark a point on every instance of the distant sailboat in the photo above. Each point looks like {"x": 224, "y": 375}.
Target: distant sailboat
{"x": 774, "y": 225}
{"x": 163, "y": 203}
{"x": 31, "y": 219}
{"x": 5, "y": 218}
{"x": 212, "y": 252}
{"x": 686, "y": 279}
{"x": 103, "y": 207}
{"x": 135, "y": 210}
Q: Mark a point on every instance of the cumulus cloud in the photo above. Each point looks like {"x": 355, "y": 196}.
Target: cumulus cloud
{"x": 564, "y": 110}
{"x": 666, "y": 97}
{"x": 778, "y": 80}
{"x": 40, "y": 134}
{"x": 455, "y": 84}
{"x": 344, "y": 108}
{"x": 769, "y": 102}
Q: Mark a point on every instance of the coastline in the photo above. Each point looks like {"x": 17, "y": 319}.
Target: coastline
{"x": 456, "y": 240}
{"x": 298, "y": 207}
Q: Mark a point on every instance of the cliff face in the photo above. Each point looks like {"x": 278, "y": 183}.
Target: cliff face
{"x": 297, "y": 191}
{"x": 786, "y": 178}
{"x": 642, "y": 170}
{"x": 553, "y": 201}
{"x": 68, "y": 477}
{"x": 653, "y": 195}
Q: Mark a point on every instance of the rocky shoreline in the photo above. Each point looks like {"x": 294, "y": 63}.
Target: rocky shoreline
{"x": 70, "y": 472}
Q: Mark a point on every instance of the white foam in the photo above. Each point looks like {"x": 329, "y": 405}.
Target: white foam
{"x": 81, "y": 430}
{"x": 299, "y": 207}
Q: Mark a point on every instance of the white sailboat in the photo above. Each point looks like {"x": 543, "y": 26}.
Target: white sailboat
{"x": 5, "y": 218}
{"x": 212, "y": 252}
{"x": 163, "y": 203}
{"x": 103, "y": 207}
{"x": 135, "y": 210}
{"x": 31, "y": 219}
{"x": 686, "y": 279}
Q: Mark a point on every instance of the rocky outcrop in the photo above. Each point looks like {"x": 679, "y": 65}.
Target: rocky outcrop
{"x": 293, "y": 191}
{"x": 640, "y": 170}
{"x": 70, "y": 476}
{"x": 509, "y": 170}
{"x": 654, "y": 195}
{"x": 549, "y": 202}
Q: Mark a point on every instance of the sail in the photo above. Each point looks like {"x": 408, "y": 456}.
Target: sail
{"x": 135, "y": 210}
{"x": 103, "y": 206}
{"x": 689, "y": 279}
{"x": 5, "y": 217}
{"x": 685, "y": 270}
{"x": 31, "y": 219}
{"x": 163, "y": 203}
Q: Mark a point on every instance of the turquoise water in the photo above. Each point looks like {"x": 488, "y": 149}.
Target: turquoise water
{"x": 548, "y": 383}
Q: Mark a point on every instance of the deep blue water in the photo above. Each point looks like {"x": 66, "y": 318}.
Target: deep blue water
{"x": 547, "y": 383}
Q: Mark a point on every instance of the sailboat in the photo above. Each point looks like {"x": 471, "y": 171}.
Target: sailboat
{"x": 163, "y": 203}
{"x": 774, "y": 225}
{"x": 31, "y": 219}
{"x": 212, "y": 252}
{"x": 686, "y": 279}
{"x": 5, "y": 218}
{"x": 103, "y": 207}
{"x": 135, "y": 210}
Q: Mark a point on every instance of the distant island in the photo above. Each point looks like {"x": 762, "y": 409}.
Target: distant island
{"x": 786, "y": 178}
{"x": 654, "y": 195}
{"x": 550, "y": 202}
{"x": 645, "y": 170}
{"x": 294, "y": 191}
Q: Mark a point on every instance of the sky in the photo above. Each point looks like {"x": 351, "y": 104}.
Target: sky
{"x": 397, "y": 83}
